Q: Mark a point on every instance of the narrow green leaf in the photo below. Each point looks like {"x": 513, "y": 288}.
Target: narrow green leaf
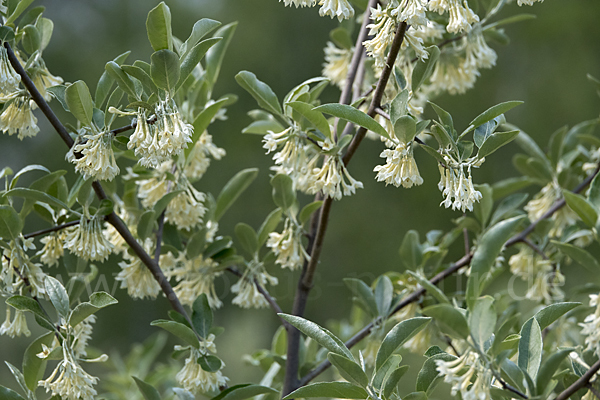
{"x": 21, "y": 6}
{"x": 530, "y": 147}
{"x": 430, "y": 288}
{"x": 122, "y": 79}
{"x": 202, "y": 316}
{"x": 210, "y": 363}
{"x": 424, "y": 69}
{"x": 398, "y": 106}
{"x": 9, "y": 394}
{"x": 141, "y": 75}
{"x": 269, "y": 225}
{"x": 397, "y": 336}
{"x": 586, "y": 211}
{"x": 148, "y": 391}
{"x": 158, "y": 27}
{"x": 214, "y": 56}
{"x": 318, "y": 334}
{"x": 580, "y": 255}
{"x": 80, "y": 102}
{"x": 262, "y": 93}
{"x": 530, "y": 347}
{"x": 489, "y": 247}
{"x": 411, "y": 254}
{"x": 105, "y": 83}
{"x": 37, "y": 195}
{"x": 233, "y": 189}
{"x": 482, "y": 321}
{"x": 10, "y": 223}
{"x": 495, "y": 141}
{"x": 31, "y": 39}
{"x": 493, "y": 112}
{"x": 315, "y": 117}
{"x": 392, "y": 381}
{"x": 196, "y": 244}
{"x": 549, "y": 367}
{"x": 162, "y": 204}
{"x": 450, "y": 318}
{"x": 146, "y": 224}
{"x": 58, "y": 296}
{"x": 164, "y": 69}
{"x": 202, "y": 122}
{"x": 23, "y": 303}
{"x": 284, "y": 195}
{"x": 245, "y": 391}
{"x": 247, "y": 237}
{"x": 201, "y": 28}
{"x": 340, "y": 390}
{"x": 179, "y": 330}
{"x": 353, "y": 115}
{"x": 405, "y": 128}
{"x": 384, "y": 293}
{"x": 349, "y": 370}
{"x": 594, "y": 194}
{"x": 416, "y": 396}
{"x": 508, "y": 206}
{"x": 308, "y": 210}
{"x": 193, "y": 57}
{"x": 551, "y": 313}
{"x": 363, "y": 292}
{"x": 98, "y": 300}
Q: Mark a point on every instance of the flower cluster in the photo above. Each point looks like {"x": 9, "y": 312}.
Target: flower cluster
{"x": 87, "y": 240}
{"x": 136, "y": 277}
{"x": 193, "y": 278}
{"x": 591, "y": 326}
{"x": 455, "y": 184}
{"x": 17, "y": 117}
{"x": 543, "y": 277}
{"x": 247, "y": 293}
{"x": 97, "y": 159}
{"x": 287, "y": 245}
{"x": 193, "y": 377}
{"x": 400, "y": 168}
{"x": 543, "y": 201}
{"x": 461, "y": 371}
{"x": 198, "y": 161}
{"x": 337, "y": 62}
{"x": 333, "y": 179}
{"x": 17, "y": 327}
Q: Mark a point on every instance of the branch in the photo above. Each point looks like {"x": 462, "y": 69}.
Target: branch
{"x": 535, "y": 248}
{"x": 50, "y": 230}
{"x": 580, "y": 383}
{"x": 131, "y": 126}
{"x": 113, "y": 218}
{"x": 270, "y": 299}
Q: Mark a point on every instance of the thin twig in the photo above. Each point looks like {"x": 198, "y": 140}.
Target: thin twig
{"x": 131, "y": 126}
{"x": 579, "y": 383}
{"x": 113, "y": 218}
{"x": 50, "y": 230}
{"x": 534, "y": 247}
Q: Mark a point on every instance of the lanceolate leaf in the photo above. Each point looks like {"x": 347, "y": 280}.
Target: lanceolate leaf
{"x": 586, "y": 211}
{"x": 340, "y": 390}
{"x": 428, "y": 375}
{"x": 158, "y": 26}
{"x": 10, "y": 223}
{"x": 485, "y": 255}
{"x": 80, "y": 102}
{"x": 397, "y": 336}
{"x": 262, "y": 93}
{"x": 449, "y": 317}
{"x": 98, "y": 300}
{"x": 580, "y": 255}
{"x": 530, "y": 347}
{"x": 495, "y": 141}
{"x": 244, "y": 391}
{"x": 164, "y": 69}
{"x": 551, "y": 313}
{"x": 233, "y": 189}
{"x": 284, "y": 195}
{"x": 33, "y": 366}
{"x": 349, "y": 369}
{"x": 201, "y": 28}
{"x": 424, "y": 69}
{"x": 193, "y": 57}
{"x": 493, "y": 112}
{"x": 58, "y": 296}
{"x": 148, "y": 391}
{"x": 482, "y": 321}
{"x": 315, "y": 117}
{"x": 179, "y": 330}
{"x": 353, "y": 115}
{"x": 202, "y": 316}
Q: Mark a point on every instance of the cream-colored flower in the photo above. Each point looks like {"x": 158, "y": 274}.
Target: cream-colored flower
{"x": 461, "y": 17}
{"x": 591, "y": 326}
{"x": 337, "y": 62}
{"x": 543, "y": 278}
{"x": 97, "y": 159}
{"x": 87, "y": 241}
{"x": 193, "y": 378}
{"x": 412, "y": 12}
{"x": 400, "y": 167}
{"x": 287, "y": 246}
{"x": 248, "y": 295}
{"x": 454, "y": 184}
{"x": 53, "y": 248}
{"x": 336, "y": 8}
{"x": 136, "y": 277}
{"x": 195, "y": 277}
{"x": 528, "y": 2}
{"x": 17, "y": 327}
{"x": 452, "y": 75}
{"x": 198, "y": 161}
{"x": 9, "y": 79}
{"x": 333, "y": 179}
{"x": 542, "y": 202}
{"x": 19, "y": 271}
{"x": 382, "y": 30}
{"x": 187, "y": 209}
{"x": 70, "y": 381}
{"x": 479, "y": 54}
{"x": 461, "y": 371}
{"x": 17, "y": 118}
{"x": 43, "y": 79}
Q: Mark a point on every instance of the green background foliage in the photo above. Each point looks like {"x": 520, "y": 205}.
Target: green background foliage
{"x": 545, "y": 66}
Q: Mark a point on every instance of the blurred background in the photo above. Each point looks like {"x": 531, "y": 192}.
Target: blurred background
{"x": 545, "y": 65}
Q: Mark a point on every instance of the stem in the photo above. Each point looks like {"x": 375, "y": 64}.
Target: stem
{"x": 131, "y": 126}
{"x": 113, "y": 218}
{"x": 50, "y": 230}
{"x": 580, "y": 383}
{"x": 535, "y": 248}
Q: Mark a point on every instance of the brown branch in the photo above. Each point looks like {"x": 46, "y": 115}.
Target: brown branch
{"x": 113, "y": 218}
{"x": 579, "y": 383}
{"x": 50, "y": 230}
{"x": 535, "y": 248}
{"x": 131, "y": 126}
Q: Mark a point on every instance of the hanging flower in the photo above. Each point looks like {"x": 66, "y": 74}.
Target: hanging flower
{"x": 17, "y": 327}
{"x": 543, "y": 278}
{"x": 248, "y": 295}
{"x": 336, "y": 8}
{"x": 461, "y": 17}
{"x": 17, "y": 118}
{"x": 193, "y": 378}
{"x": 461, "y": 371}
{"x": 69, "y": 380}
{"x": 198, "y": 161}
{"x": 43, "y": 79}
{"x": 542, "y": 202}
{"x": 337, "y": 62}
{"x": 186, "y": 210}
{"x": 452, "y": 75}
{"x": 400, "y": 167}
{"x": 454, "y": 184}
{"x": 87, "y": 241}
{"x": 331, "y": 179}
{"x": 479, "y": 54}
{"x": 195, "y": 277}
{"x": 382, "y": 30}
{"x": 527, "y": 2}
{"x": 136, "y": 277}
{"x": 287, "y": 245}
{"x": 9, "y": 79}
{"x": 53, "y": 248}
{"x": 98, "y": 159}
{"x": 412, "y": 12}
{"x": 299, "y": 3}
{"x": 82, "y": 333}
